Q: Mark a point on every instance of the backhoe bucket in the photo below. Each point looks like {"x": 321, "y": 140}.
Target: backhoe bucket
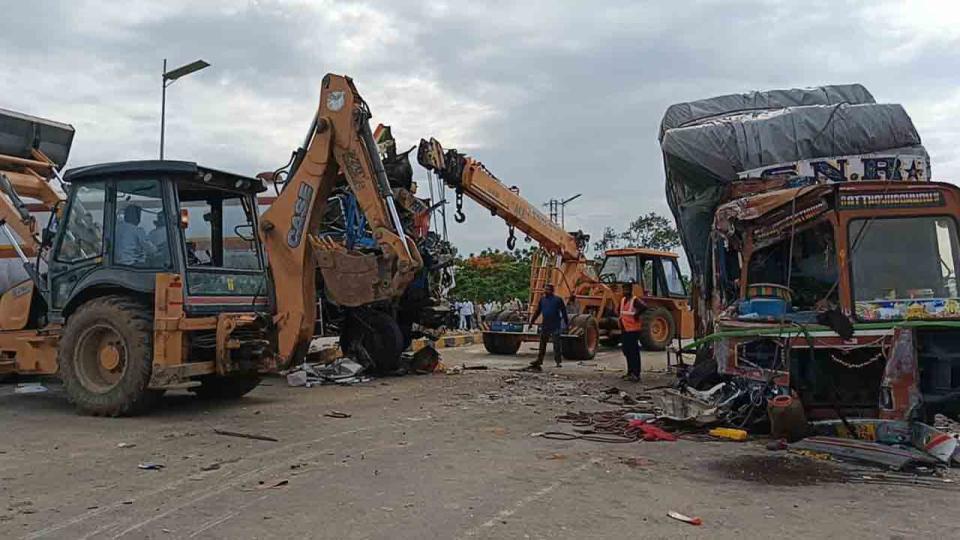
{"x": 20, "y": 133}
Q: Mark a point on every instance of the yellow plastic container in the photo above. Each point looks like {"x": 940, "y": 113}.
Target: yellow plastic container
{"x": 729, "y": 433}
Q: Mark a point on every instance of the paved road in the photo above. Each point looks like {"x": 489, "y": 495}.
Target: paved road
{"x": 440, "y": 456}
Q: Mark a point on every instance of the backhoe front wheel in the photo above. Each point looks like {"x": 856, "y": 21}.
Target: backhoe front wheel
{"x": 657, "y": 330}
{"x": 374, "y": 338}
{"x": 106, "y": 357}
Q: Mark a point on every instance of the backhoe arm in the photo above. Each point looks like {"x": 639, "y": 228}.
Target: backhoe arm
{"x": 469, "y": 177}
{"x": 339, "y": 145}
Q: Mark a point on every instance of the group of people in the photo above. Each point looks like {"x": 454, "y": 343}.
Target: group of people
{"x": 470, "y": 313}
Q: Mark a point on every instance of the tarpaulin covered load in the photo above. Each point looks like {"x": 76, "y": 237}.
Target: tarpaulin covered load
{"x": 19, "y": 133}
{"x": 692, "y": 112}
{"x": 707, "y": 144}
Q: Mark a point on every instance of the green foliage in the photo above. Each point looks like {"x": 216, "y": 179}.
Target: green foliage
{"x": 493, "y": 275}
{"x": 648, "y": 230}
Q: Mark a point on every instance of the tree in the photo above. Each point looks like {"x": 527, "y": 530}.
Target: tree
{"x": 609, "y": 239}
{"x": 652, "y": 231}
{"x": 649, "y": 230}
{"x": 494, "y": 275}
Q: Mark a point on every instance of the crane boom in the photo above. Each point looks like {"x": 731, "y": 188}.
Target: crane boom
{"x": 469, "y": 176}
{"x": 339, "y": 145}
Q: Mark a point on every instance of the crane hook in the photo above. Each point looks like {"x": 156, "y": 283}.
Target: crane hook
{"x": 459, "y": 216}
{"x": 511, "y": 239}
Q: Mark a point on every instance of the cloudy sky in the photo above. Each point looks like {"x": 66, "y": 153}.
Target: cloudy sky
{"x": 556, "y": 97}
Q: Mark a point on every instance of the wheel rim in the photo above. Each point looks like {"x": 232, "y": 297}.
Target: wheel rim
{"x": 659, "y": 329}
{"x": 100, "y": 359}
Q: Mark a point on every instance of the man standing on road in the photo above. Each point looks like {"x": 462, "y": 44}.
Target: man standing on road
{"x": 467, "y": 312}
{"x": 630, "y": 324}
{"x": 554, "y": 321}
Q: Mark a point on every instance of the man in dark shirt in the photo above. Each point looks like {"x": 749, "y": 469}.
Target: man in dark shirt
{"x": 554, "y": 321}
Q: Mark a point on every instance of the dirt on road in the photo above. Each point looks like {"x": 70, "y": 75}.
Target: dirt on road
{"x": 419, "y": 457}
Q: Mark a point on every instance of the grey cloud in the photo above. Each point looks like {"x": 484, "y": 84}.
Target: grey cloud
{"x": 557, "y": 97}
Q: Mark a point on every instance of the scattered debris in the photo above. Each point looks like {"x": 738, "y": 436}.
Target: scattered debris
{"x": 728, "y": 433}
{"x": 340, "y": 371}
{"x": 635, "y": 462}
{"x": 150, "y": 466}
{"x": 337, "y": 414}
{"x": 894, "y": 457}
{"x": 245, "y": 435}
{"x": 30, "y": 388}
{"x": 263, "y": 485}
{"x": 125, "y": 445}
{"x": 608, "y": 426}
{"x": 684, "y": 518}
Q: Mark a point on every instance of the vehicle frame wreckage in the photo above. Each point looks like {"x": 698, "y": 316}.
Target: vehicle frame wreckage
{"x": 823, "y": 259}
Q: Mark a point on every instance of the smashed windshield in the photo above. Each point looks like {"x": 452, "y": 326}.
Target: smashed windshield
{"x": 807, "y": 264}
{"x": 904, "y": 268}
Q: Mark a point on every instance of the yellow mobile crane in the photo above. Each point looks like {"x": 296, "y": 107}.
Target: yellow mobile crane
{"x": 594, "y": 303}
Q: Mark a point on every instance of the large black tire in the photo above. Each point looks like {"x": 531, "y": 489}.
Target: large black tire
{"x": 375, "y": 339}
{"x": 106, "y": 357}
{"x": 226, "y": 387}
{"x": 658, "y": 329}
{"x": 503, "y": 343}
{"x": 583, "y": 346}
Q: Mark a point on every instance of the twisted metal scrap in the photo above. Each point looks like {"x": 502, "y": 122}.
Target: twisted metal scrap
{"x": 605, "y": 427}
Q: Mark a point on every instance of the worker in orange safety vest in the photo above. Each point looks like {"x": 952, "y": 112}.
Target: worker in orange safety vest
{"x": 631, "y": 308}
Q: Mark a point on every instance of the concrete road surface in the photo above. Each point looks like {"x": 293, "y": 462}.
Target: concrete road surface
{"x": 420, "y": 457}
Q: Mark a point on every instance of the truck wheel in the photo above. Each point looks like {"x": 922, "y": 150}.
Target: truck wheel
{"x": 583, "y": 346}
{"x": 501, "y": 343}
{"x": 657, "y": 330}
{"x": 106, "y": 357}
{"x": 374, "y": 337}
{"x": 496, "y": 343}
{"x": 226, "y": 387}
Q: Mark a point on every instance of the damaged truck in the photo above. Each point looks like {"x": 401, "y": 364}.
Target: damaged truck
{"x": 823, "y": 258}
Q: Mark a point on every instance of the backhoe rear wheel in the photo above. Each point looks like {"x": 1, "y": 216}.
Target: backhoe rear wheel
{"x": 375, "y": 340}
{"x": 658, "y": 329}
{"x": 106, "y": 357}
{"x": 584, "y": 345}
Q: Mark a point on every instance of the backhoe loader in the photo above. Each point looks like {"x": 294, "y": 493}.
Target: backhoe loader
{"x": 214, "y": 295}
{"x": 593, "y": 303}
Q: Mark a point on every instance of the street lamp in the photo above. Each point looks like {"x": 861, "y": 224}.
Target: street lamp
{"x": 557, "y": 207}
{"x": 168, "y": 78}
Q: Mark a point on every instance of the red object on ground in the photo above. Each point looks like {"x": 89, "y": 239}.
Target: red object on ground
{"x": 685, "y": 518}
{"x": 652, "y": 432}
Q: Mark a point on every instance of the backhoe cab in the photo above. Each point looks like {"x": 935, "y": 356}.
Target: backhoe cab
{"x": 150, "y": 277}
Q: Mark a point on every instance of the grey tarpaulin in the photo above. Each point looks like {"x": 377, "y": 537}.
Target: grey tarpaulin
{"x": 707, "y": 143}
{"x": 692, "y": 112}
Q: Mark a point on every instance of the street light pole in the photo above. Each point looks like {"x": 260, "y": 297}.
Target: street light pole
{"x": 163, "y": 108}
{"x": 168, "y": 78}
